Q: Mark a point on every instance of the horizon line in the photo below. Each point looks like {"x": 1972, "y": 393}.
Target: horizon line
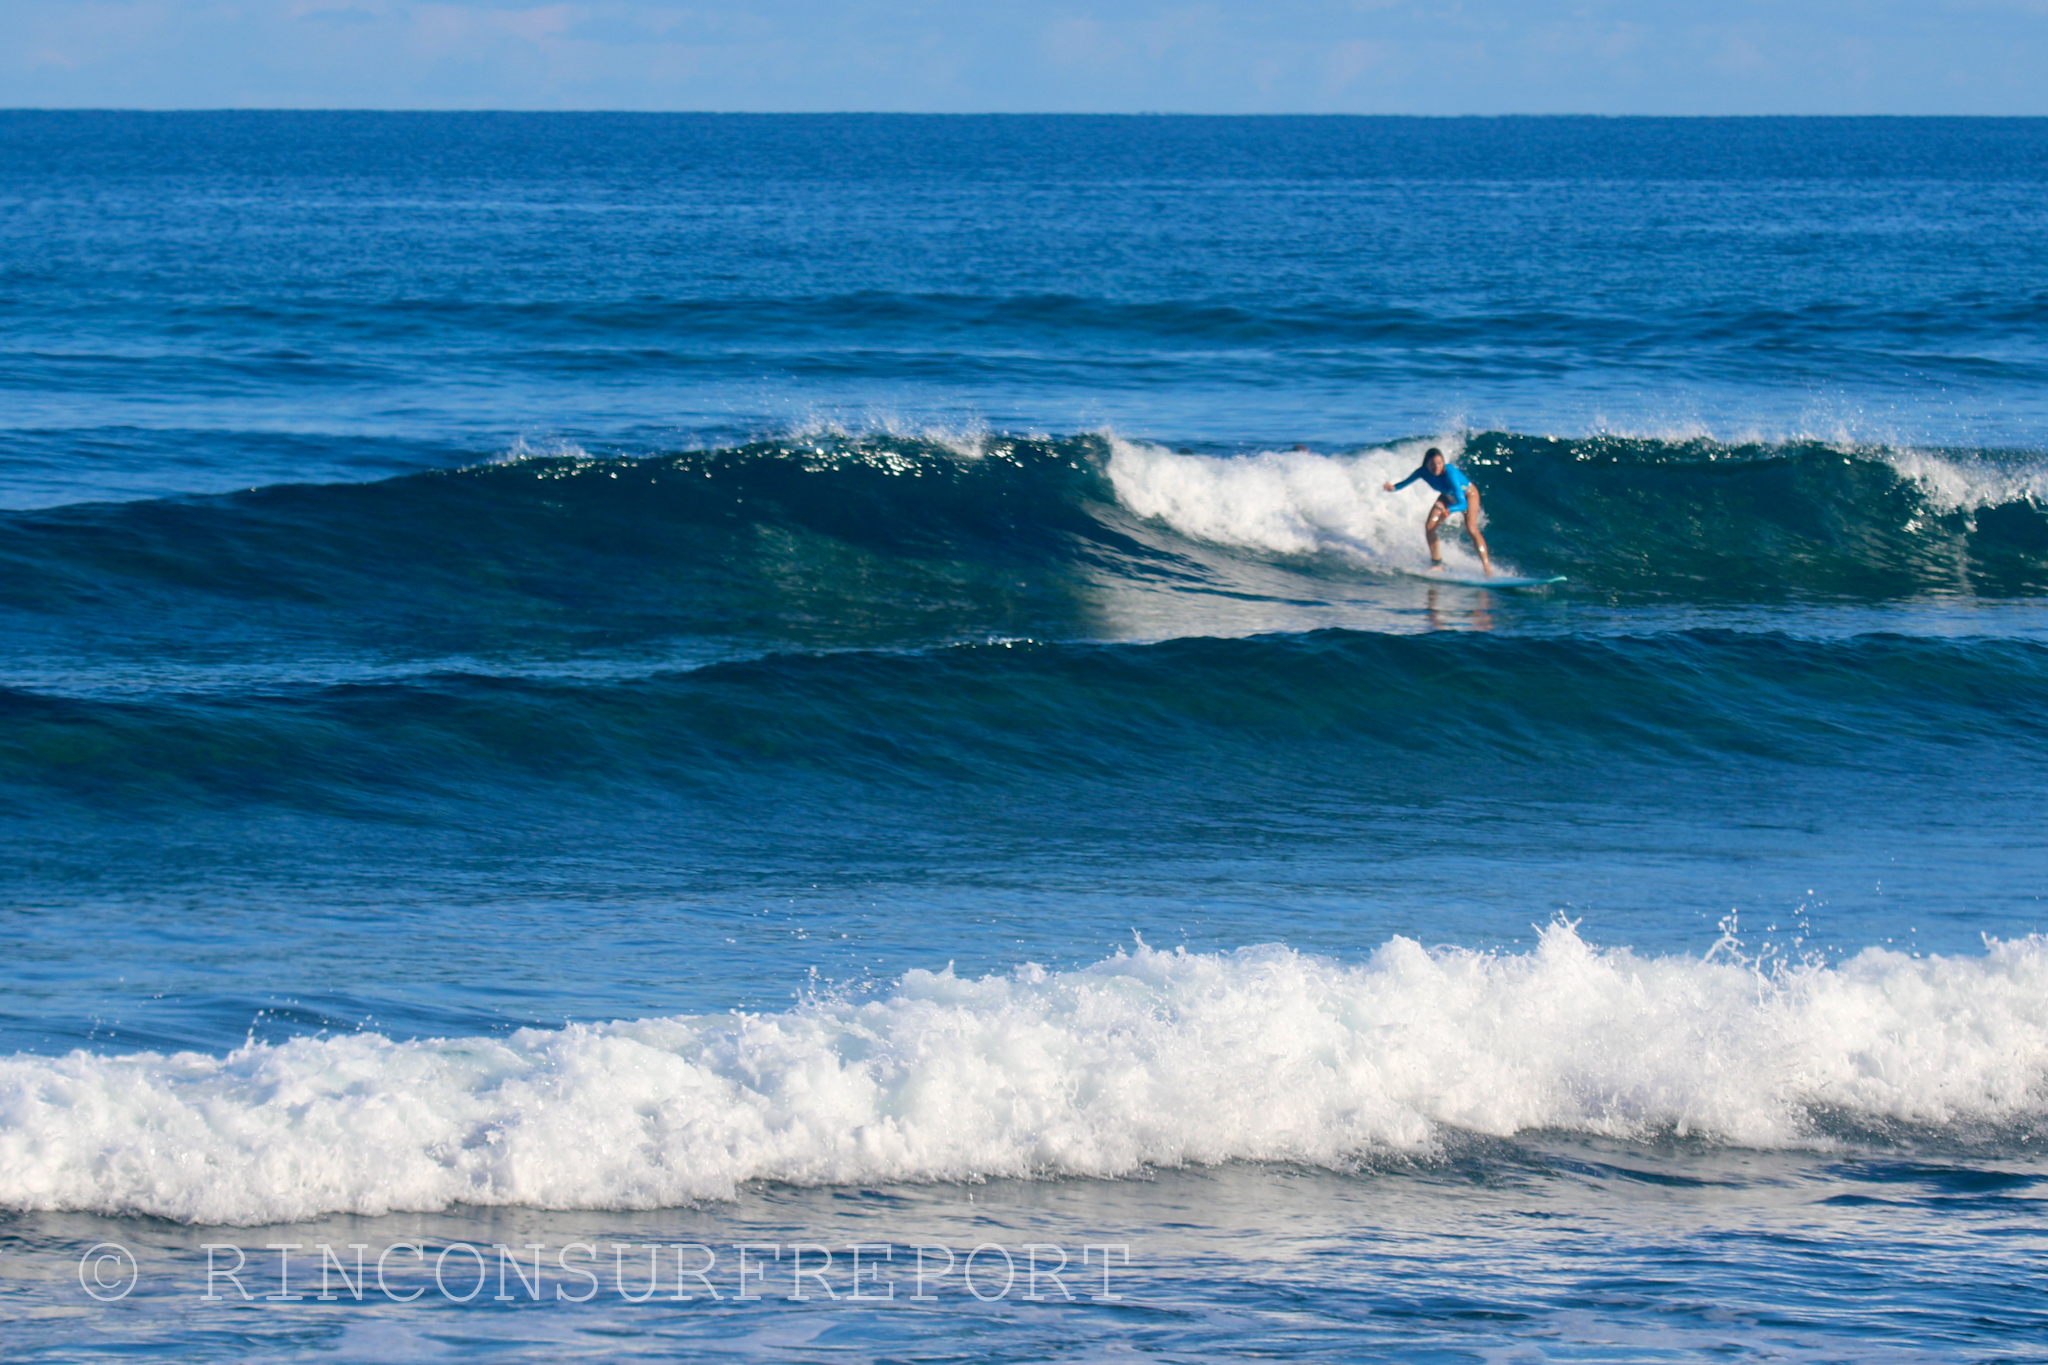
{"x": 954, "y": 113}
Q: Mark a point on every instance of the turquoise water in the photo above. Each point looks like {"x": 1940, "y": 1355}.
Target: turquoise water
{"x": 639, "y": 686}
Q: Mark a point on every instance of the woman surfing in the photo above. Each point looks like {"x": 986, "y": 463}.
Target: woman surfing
{"x": 1454, "y": 493}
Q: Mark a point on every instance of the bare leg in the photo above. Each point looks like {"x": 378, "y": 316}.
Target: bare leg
{"x": 1473, "y": 517}
{"x": 1436, "y": 519}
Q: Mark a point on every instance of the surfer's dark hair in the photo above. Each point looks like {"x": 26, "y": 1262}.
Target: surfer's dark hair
{"x": 1432, "y": 451}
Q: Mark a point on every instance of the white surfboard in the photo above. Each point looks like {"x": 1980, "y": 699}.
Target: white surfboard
{"x": 1476, "y": 581}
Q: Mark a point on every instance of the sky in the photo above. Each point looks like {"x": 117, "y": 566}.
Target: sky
{"x": 974, "y": 56}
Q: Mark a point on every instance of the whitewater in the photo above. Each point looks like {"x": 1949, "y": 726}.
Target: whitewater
{"x": 1145, "y": 1059}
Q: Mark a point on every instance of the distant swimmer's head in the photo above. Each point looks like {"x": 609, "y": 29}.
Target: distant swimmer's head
{"x": 1433, "y": 460}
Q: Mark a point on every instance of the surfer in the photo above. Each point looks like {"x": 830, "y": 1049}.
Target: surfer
{"x": 1454, "y": 493}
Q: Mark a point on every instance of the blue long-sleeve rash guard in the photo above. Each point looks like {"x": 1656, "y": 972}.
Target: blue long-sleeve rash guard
{"x": 1452, "y": 484}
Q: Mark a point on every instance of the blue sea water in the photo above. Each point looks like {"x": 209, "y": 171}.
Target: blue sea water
{"x": 585, "y": 693}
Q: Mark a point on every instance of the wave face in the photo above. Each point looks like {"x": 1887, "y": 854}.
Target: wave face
{"x": 1144, "y": 1059}
{"x": 842, "y": 541}
{"x": 1332, "y": 707}
{"x": 818, "y": 542}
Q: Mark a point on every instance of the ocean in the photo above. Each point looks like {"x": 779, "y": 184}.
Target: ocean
{"x": 814, "y": 738}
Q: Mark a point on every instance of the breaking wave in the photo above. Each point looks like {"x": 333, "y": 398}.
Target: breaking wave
{"x": 1145, "y": 1059}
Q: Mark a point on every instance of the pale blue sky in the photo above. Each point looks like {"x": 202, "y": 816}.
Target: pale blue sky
{"x": 1193, "y": 56}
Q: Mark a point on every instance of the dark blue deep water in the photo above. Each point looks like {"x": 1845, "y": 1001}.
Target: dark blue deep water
{"x": 590, "y": 692}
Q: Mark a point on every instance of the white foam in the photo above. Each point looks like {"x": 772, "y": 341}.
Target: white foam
{"x": 1962, "y": 484}
{"x": 1290, "y": 502}
{"x": 1145, "y": 1058}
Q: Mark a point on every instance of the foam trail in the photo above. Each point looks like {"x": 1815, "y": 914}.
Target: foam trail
{"x": 1288, "y": 502}
{"x": 1146, "y": 1058}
